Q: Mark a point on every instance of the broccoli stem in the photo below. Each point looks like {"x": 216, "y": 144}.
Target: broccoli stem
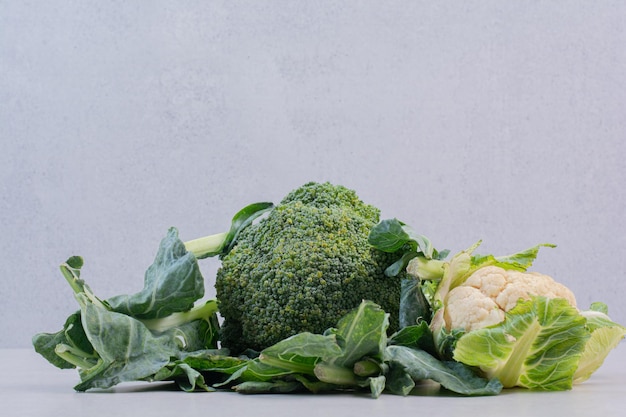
{"x": 426, "y": 269}
{"x": 366, "y": 368}
{"x": 204, "y": 311}
{"x": 76, "y": 357}
{"x": 207, "y": 246}
{"x": 71, "y": 273}
{"x": 220, "y": 243}
{"x": 337, "y": 375}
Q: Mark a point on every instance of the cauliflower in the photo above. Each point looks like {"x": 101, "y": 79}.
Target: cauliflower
{"x": 524, "y": 328}
{"x": 491, "y": 291}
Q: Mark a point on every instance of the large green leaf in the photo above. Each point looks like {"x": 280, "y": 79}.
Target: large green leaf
{"x": 414, "y": 306}
{"x": 390, "y": 236}
{"x": 418, "y": 336}
{"x": 187, "y": 378}
{"x": 173, "y": 283}
{"x": 363, "y": 333}
{"x": 128, "y": 350}
{"x": 409, "y": 365}
{"x": 301, "y": 352}
{"x": 72, "y": 336}
{"x": 394, "y": 236}
{"x": 537, "y": 346}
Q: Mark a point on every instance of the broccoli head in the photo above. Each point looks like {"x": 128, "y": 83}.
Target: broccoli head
{"x": 301, "y": 268}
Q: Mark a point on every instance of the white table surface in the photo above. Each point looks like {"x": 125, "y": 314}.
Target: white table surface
{"x": 32, "y": 387}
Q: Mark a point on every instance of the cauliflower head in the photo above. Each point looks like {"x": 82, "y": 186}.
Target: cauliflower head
{"x": 488, "y": 293}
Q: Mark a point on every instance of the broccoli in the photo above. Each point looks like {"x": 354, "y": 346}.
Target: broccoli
{"x": 301, "y": 268}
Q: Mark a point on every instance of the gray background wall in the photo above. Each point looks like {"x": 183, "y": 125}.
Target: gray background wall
{"x": 501, "y": 121}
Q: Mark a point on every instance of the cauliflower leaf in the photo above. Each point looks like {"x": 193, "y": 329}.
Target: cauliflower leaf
{"x": 537, "y": 346}
{"x": 605, "y": 336}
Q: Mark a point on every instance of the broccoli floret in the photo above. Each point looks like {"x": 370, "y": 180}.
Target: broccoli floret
{"x": 302, "y": 268}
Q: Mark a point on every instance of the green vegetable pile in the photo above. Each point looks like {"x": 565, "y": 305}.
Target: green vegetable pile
{"x": 317, "y": 294}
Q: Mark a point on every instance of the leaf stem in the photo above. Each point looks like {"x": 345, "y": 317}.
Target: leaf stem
{"x": 337, "y": 375}
{"x": 204, "y": 311}
{"x": 207, "y": 246}
{"x": 75, "y": 356}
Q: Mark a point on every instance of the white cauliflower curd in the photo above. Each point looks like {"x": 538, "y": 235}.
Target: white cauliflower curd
{"x": 484, "y": 298}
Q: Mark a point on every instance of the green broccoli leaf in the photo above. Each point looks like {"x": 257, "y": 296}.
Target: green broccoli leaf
{"x": 413, "y": 303}
{"x": 363, "y": 333}
{"x": 187, "y": 378}
{"x": 128, "y": 351}
{"x": 214, "y": 361}
{"x": 537, "y": 346}
{"x": 221, "y": 243}
{"x": 72, "y": 337}
{"x": 301, "y": 352}
{"x": 242, "y": 219}
{"x": 172, "y": 283}
{"x": 400, "y": 265}
{"x": 394, "y": 236}
{"x": 398, "y": 380}
{"x": 418, "y": 336}
{"x": 268, "y": 387}
{"x": 389, "y": 235}
{"x": 409, "y": 365}
{"x": 216, "y": 364}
